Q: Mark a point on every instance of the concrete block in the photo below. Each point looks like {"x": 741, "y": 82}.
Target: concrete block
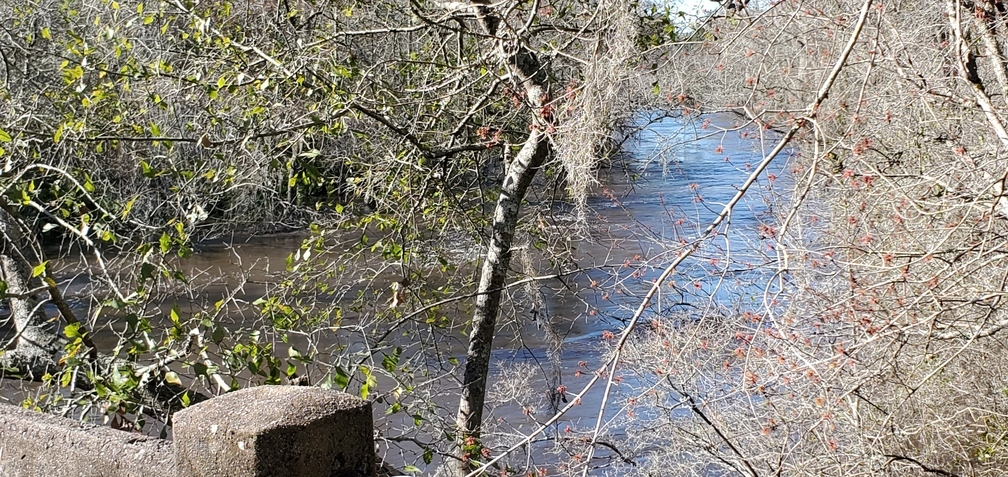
{"x": 33, "y": 444}
{"x": 276, "y": 431}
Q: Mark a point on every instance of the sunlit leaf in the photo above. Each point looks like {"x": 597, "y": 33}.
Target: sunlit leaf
{"x": 171, "y": 377}
{"x": 39, "y": 269}
{"x": 165, "y": 242}
{"x": 174, "y": 314}
{"x": 128, "y": 207}
{"x": 72, "y": 330}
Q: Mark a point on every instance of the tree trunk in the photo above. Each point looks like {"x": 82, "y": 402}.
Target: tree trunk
{"x": 35, "y": 346}
{"x": 526, "y": 70}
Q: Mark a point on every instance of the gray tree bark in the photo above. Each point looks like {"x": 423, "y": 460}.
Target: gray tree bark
{"x": 526, "y": 71}
{"x": 35, "y": 346}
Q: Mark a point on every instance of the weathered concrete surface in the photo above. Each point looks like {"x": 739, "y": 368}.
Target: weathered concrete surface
{"x": 276, "y": 431}
{"x": 33, "y": 444}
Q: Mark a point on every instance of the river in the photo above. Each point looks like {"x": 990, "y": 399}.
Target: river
{"x": 675, "y": 178}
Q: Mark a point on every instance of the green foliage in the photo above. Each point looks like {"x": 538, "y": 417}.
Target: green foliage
{"x": 144, "y": 127}
{"x": 658, "y": 26}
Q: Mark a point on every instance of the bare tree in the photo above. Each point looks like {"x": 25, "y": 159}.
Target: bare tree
{"x": 876, "y": 347}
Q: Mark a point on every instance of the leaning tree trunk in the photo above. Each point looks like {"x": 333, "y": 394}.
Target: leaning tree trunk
{"x": 526, "y": 70}
{"x": 35, "y": 346}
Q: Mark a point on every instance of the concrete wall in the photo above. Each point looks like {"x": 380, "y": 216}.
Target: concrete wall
{"x": 34, "y": 444}
{"x": 262, "y": 431}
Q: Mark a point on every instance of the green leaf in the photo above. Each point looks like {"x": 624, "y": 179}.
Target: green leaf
{"x": 342, "y": 379}
{"x": 4, "y": 136}
{"x": 411, "y": 469}
{"x": 128, "y": 207}
{"x": 390, "y": 362}
{"x": 147, "y": 271}
{"x": 72, "y": 330}
{"x": 171, "y": 377}
{"x": 39, "y": 269}
{"x": 165, "y": 242}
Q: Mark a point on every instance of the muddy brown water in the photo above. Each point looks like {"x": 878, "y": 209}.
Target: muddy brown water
{"x": 676, "y": 179}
